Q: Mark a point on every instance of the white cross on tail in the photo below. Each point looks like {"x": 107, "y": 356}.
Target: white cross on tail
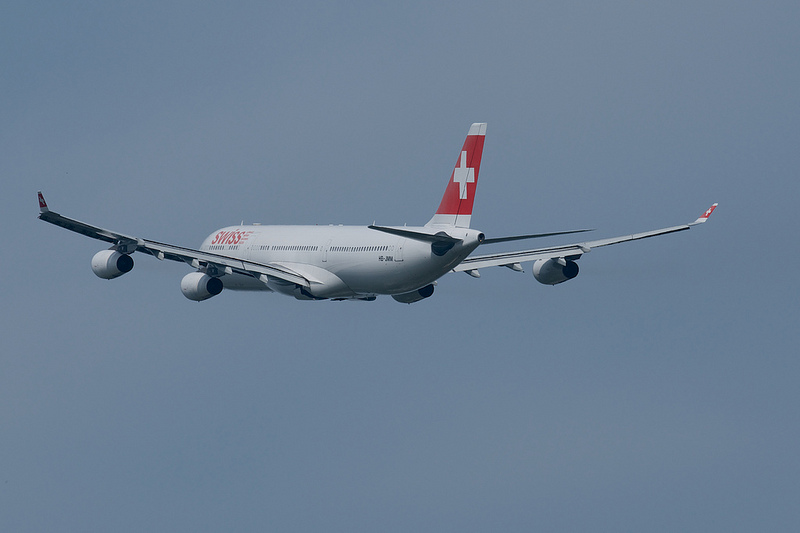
{"x": 463, "y": 175}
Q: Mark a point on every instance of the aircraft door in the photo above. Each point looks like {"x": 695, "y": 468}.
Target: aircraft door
{"x": 398, "y": 250}
{"x": 325, "y": 250}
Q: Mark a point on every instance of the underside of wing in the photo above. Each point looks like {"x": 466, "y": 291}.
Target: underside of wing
{"x": 560, "y": 255}
{"x": 510, "y": 259}
{"x": 213, "y": 264}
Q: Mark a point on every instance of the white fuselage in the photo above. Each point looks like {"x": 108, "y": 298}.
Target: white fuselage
{"x": 340, "y": 261}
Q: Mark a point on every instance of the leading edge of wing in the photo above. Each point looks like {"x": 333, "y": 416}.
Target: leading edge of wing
{"x": 195, "y": 258}
{"x": 568, "y": 251}
{"x": 222, "y": 263}
{"x": 79, "y": 227}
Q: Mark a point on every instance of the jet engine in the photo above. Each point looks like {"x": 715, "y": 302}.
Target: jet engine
{"x": 414, "y": 296}
{"x": 199, "y": 286}
{"x": 110, "y": 264}
{"x": 554, "y": 271}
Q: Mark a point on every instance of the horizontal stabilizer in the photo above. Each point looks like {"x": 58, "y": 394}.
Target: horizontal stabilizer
{"x": 533, "y": 236}
{"x": 440, "y": 237}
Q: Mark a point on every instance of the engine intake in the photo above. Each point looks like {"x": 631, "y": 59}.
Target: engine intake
{"x": 554, "y": 271}
{"x": 199, "y": 286}
{"x": 110, "y": 264}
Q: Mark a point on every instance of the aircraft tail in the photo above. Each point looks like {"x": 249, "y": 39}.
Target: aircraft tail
{"x": 456, "y": 207}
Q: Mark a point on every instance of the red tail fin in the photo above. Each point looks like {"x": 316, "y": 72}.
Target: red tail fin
{"x": 456, "y": 206}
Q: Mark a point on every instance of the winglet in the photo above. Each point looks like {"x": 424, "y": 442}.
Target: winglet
{"x": 704, "y": 216}
{"x": 42, "y": 204}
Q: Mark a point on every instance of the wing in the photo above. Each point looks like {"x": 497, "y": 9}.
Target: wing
{"x": 569, "y": 251}
{"x": 195, "y": 258}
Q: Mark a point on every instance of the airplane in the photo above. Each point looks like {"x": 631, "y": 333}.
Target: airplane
{"x": 337, "y": 262}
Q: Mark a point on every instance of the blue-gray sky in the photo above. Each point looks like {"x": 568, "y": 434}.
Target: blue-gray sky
{"x": 657, "y": 391}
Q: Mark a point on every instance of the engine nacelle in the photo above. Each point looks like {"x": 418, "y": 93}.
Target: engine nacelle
{"x": 414, "y": 296}
{"x": 199, "y": 286}
{"x": 110, "y": 264}
{"x": 553, "y": 272}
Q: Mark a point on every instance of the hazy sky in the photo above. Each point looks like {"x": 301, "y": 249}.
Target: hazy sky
{"x": 658, "y": 391}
